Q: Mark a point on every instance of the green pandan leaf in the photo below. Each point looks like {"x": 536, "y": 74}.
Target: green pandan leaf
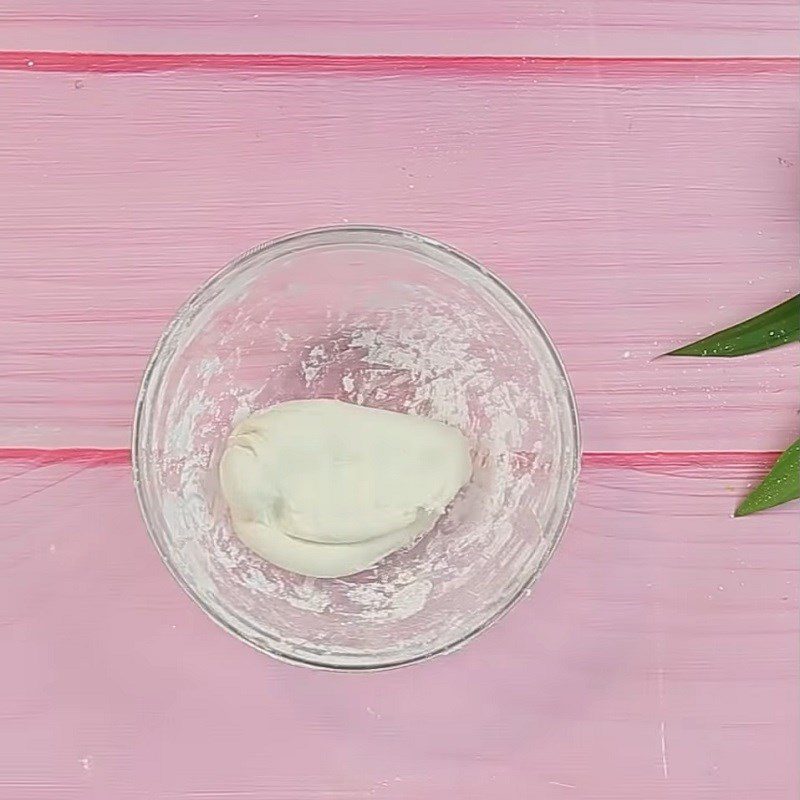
{"x": 775, "y": 327}
{"x": 781, "y": 484}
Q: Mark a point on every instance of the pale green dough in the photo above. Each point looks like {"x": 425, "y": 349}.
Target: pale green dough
{"x": 326, "y": 488}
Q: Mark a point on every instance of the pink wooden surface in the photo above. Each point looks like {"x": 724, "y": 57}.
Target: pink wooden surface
{"x": 689, "y": 28}
{"x": 633, "y": 203}
{"x": 657, "y": 658}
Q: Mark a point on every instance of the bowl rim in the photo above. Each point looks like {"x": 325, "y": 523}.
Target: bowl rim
{"x": 191, "y": 306}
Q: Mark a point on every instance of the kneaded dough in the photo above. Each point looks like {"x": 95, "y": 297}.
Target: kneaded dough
{"x": 326, "y": 488}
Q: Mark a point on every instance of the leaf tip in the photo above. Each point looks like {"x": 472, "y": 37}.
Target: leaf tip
{"x": 687, "y": 350}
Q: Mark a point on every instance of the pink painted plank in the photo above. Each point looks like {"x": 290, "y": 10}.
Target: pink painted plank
{"x": 656, "y": 658}
{"x": 633, "y": 206}
{"x": 688, "y": 28}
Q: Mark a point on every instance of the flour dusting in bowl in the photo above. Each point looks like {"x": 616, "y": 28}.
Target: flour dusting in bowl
{"x": 380, "y": 319}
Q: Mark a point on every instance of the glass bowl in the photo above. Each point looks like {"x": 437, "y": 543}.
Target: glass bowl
{"x": 383, "y": 318}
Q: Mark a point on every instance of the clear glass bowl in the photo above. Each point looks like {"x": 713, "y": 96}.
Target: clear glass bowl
{"x": 384, "y": 318}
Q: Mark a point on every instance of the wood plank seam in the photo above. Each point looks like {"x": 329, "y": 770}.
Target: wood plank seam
{"x": 53, "y": 61}
{"x": 97, "y": 456}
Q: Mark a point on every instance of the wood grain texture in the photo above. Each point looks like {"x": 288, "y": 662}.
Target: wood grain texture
{"x": 693, "y": 28}
{"x": 656, "y": 658}
{"x": 632, "y": 206}
{"x": 38, "y": 61}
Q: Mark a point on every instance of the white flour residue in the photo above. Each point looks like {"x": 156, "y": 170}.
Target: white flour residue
{"x": 429, "y": 357}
